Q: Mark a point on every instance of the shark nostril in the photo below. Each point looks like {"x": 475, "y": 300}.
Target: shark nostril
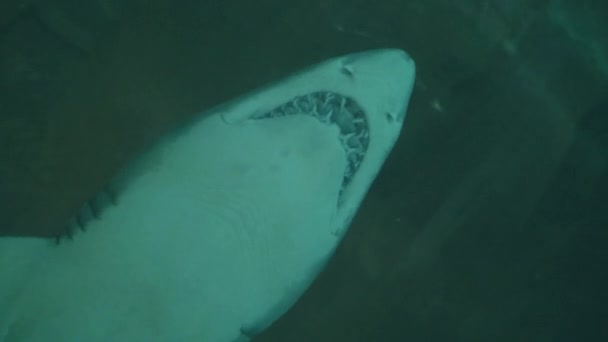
{"x": 348, "y": 70}
{"x": 390, "y": 117}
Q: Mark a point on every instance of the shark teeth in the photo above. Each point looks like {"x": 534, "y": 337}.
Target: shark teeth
{"x": 332, "y": 109}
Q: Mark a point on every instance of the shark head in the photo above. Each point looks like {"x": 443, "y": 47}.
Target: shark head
{"x": 328, "y": 131}
{"x": 362, "y": 96}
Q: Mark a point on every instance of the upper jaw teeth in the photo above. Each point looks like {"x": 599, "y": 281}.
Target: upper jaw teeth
{"x": 333, "y": 109}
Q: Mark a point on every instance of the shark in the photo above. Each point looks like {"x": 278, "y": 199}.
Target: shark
{"x": 219, "y": 227}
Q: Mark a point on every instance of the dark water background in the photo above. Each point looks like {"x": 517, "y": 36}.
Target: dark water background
{"x": 489, "y": 221}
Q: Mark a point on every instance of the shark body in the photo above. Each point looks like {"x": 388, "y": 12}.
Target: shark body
{"x": 220, "y": 227}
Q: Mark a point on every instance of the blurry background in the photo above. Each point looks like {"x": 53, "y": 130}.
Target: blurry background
{"x": 489, "y": 221}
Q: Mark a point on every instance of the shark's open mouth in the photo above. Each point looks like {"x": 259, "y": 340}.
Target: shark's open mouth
{"x": 333, "y": 109}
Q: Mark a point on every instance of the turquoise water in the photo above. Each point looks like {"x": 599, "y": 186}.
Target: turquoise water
{"x": 488, "y": 221}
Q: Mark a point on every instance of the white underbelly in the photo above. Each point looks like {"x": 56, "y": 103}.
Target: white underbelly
{"x": 184, "y": 258}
